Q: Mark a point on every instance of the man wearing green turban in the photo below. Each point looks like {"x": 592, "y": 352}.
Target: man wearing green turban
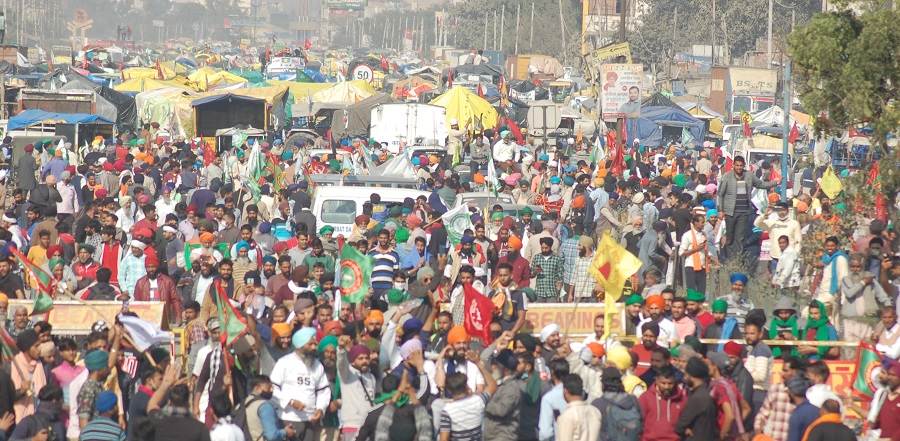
{"x": 722, "y": 327}
{"x": 633, "y": 306}
{"x": 695, "y": 301}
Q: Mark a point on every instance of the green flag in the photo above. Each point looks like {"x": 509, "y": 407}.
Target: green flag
{"x": 41, "y": 279}
{"x": 868, "y": 364}
{"x": 456, "y": 222}
{"x": 232, "y": 324}
{"x": 356, "y": 273}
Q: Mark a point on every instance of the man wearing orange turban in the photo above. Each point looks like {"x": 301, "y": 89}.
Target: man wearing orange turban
{"x": 656, "y": 304}
{"x": 458, "y": 341}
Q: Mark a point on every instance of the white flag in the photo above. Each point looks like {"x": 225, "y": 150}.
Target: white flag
{"x": 456, "y": 222}
{"x": 144, "y": 334}
{"x": 492, "y": 176}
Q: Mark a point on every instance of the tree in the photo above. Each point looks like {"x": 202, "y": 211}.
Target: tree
{"x": 846, "y": 69}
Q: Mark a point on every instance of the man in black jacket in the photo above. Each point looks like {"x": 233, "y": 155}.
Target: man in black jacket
{"x": 698, "y": 421}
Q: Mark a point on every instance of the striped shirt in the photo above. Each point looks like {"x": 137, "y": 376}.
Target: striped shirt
{"x": 383, "y": 271}
{"x": 463, "y": 418}
{"x": 102, "y": 429}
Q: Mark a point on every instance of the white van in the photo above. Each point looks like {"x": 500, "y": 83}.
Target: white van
{"x": 338, "y": 206}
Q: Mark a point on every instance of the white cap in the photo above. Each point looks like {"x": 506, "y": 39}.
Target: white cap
{"x": 454, "y": 121}
{"x": 570, "y": 141}
{"x": 637, "y": 140}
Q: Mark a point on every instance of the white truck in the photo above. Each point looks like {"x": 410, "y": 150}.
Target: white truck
{"x": 401, "y": 124}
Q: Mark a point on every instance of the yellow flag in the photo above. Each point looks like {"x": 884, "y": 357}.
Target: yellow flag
{"x": 746, "y": 118}
{"x": 612, "y": 267}
{"x": 580, "y": 137}
{"x": 831, "y": 184}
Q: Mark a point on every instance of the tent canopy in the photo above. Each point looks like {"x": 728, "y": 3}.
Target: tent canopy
{"x": 649, "y": 127}
{"x": 352, "y": 91}
{"x": 657, "y": 99}
{"x": 31, "y": 117}
{"x": 465, "y": 107}
{"x": 774, "y": 116}
{"x": 359, "y": 116}
{"x": 705, "y": 113}
{"x": 144, "y": 84}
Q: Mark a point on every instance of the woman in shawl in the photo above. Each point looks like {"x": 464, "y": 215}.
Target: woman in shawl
{"x": 819, "y": 328}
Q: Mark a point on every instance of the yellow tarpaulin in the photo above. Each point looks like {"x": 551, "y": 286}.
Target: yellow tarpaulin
{"x": 350, "y": 91}
{"x": 465, "y": 107}
{"x": 206, "y": 76}
{"x": 715, "y": 124}
{"x": 147, "y": 72}
{"x": 143, "y": 84}
{"x": 301, "y": 90}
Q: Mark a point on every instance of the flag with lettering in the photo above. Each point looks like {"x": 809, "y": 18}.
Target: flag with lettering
{"x": 356, "y": 273}
{"x": 868, "y": 365}
{"x": 232, "y": 323}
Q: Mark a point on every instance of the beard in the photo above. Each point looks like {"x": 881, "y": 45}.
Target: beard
{"x": 268, "y": 273}
{"x": 666, "y": 393}
{"x": 375, "y": 333}
{"x": 308, "y": 357}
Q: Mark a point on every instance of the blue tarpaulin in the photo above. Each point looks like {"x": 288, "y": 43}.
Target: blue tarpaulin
{"x": 648, "y": 127}
{"x": 33, "y": 116}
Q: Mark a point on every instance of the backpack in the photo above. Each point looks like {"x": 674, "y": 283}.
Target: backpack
{"x": 624, "y": 424}
{"x": 239, "y": 416}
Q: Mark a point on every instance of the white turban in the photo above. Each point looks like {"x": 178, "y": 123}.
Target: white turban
{"x": 548, "y": 331}
{"x": 138, "y": 244}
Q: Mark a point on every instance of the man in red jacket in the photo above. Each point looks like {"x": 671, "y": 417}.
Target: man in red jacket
{"x": 661, "y": 405}
{"x": 156, "y": 287}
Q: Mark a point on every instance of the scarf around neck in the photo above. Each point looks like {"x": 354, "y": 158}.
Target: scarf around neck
{"x": 778, "y": 323}
{"x": 821, "y": 327}
{"x": 828, "y": 260}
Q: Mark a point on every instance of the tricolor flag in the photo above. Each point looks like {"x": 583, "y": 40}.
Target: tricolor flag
{"x": 868, "y": 365}
{"x": 43, "y": 281}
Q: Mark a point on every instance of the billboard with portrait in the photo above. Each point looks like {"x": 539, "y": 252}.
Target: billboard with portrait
{"x": 620, "y": 90}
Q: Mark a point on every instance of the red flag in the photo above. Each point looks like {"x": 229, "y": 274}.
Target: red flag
{"x": 209, "y": 152}
{"x": 747, "y": 132}
{"x": 480, "y": 90}
{"x": 268, "y": 54}
{"x": 159, "y": 72}
{"x": 50, "y": 63}
{"x": 449, "y": 79}
{"x": 384, "y": 63}
{"x": 395, "y": 67}
{"x": 617, "y": 166}
{"x": 517, "y": 133}
{"x": 775, "y": 174}
{"x": 307, "y": 45}
{"x": 84, "y": 62}
{"x": 479, "y": 312}
{"x": 794, "y": 135}
{"x": 122, "y": 70}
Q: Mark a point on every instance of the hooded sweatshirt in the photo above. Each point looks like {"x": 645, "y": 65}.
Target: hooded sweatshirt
{"x": 660, "y": 414}
{"x": 620, "y": 399}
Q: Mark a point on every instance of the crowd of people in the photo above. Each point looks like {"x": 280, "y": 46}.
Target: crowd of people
{"x": 169, "y": 221}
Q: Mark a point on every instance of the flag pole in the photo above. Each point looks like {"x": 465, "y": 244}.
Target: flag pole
{"x": 12, "y": 358}
{"x": 574, "y": 309}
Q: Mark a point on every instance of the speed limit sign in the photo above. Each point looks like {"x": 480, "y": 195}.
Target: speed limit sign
{"x": 363, "y": 72}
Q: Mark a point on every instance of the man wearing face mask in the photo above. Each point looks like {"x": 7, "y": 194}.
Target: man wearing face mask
{"x": 262, "y": 423}
{"x": 661, "y": 406}
{"x": 777, "y": 226}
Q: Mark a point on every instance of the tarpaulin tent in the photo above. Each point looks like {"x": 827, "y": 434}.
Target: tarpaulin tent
{"x": 359, "y": 116}
{"x": 31, "y": 117}
{"x": 657, "y": 99}
{"x": 465, "y": 107}
{"x": 715, "y": 119}
{"x": 161, "y": 106}
{"x": 653, "y": 120}
{"x": 148, "y": 72}
{"x": 262, "y": 107}
{"x": 253, "y": 76}
{"x": 112, "y": 105}
{"x": 206, "y": 78}
{"x": 144, "y": 84}
{"x": 352, "y": 91}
